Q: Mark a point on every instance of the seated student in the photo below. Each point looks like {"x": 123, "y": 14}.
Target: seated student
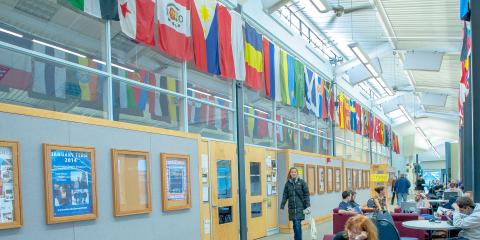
{"x": 421, "y": 201}
{"x": 445, "y": 208}
{"x": 453, "y": 188}
{"x": 467, "y": 217}
{"x": 353, "y": 204}
{"x": 345, "y": 206}
{"x": 358, "y": 227}
{"x": 380, "y": 200}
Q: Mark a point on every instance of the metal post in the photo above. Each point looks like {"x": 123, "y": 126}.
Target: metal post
{"x": 185, "y": 93}
{"x": 475, "y": 94}
{"x": 109, "y": 71}
{"x": 274, "y": 119}
{"x": 298, "y": 130}
{"x": 370, "y": 137}
{"x": 332, "y": 123}
{"x": 448, "y": 159}
{"x": 242, "y": 190}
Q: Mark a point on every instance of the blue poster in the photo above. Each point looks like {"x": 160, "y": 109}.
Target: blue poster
{"x": 71, "y": 183}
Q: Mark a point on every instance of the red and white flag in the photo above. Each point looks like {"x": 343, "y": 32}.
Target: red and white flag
{"x": 174, "y": 28}
{"x": 137, "y": 19}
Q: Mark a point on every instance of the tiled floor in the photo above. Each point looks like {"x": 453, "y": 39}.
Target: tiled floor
{"x": 323, "y": 228}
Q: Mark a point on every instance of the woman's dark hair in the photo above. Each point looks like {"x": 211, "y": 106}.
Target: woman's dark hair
{"x": 379, "y": 189}
{"x": 345, "y": 194}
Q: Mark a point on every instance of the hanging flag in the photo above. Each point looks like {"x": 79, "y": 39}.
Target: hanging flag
{"x": 353, "y": 116}
{"x": 269, "y": 68}
{"x": 15, "y": 72}
{"x": 238, "y": 47}
{"x": 280, "y": 136}
{"x": 341, "y": 111}
{"x": 277, "y": 75}
{"x": 371, "y": 126}
{"x": 253, "y": 58}
{"x": 260, "y": 126}
{"x": 169, "y": 104}
{"x": 465, "y": 11}
{"x": 299, "y": 84}
{"x": 137, "y": 20}
{"x": 359, "y": 118}
{"x": 347, "y": 110}
{"x": 227, "y": 66}
{"x": 49, "y": 79}
{"x": 104, "y": 9}
{"x": 312, "y": 99}
{"x": 174, "y": 28}
{"x": 287, "y": 82}
{"x": 324, "y": 100}
{"x": 205, "y": 36}
{"x": 365, "y": 122}
{"x": 332, "y": 103}
{"x": 465, "y": 65}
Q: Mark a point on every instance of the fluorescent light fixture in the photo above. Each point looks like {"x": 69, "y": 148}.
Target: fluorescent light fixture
{"x": 320, "y": 5}
{"x": 203, "y": 93}
{"x": 389, "y": 92}
{"x": 360, "y": 55}
{"x": 371, "y": 69}
{"x": 59, "y": 48}
{"x": 404, "y": 111}
{"x": 11, "y": 33}
{"x": 224, "y": 99}
{"x": 381, "y": 82}
{"x": 114, "y": 65}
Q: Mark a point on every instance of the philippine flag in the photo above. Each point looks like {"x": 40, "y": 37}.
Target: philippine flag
{"x": 205, "y": 36}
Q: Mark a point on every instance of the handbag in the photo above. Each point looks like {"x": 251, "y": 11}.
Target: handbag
{"x": 385, "y": 215}
{"x": 313, "y": 227}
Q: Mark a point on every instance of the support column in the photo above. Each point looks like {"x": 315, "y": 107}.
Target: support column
{"x": 242, "y": 190}
{"x": 448, "y": 160}
{"x": 475, "y": 94}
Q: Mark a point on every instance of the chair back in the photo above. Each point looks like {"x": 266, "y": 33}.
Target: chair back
{"x": 370, "y": 203}
{"x": 386, "y": 230}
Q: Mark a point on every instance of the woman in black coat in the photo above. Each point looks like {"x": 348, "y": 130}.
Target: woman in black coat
{"x": 296, "y": 192}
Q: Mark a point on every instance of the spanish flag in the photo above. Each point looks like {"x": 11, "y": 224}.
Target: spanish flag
{"x": 253, "y": 58}
{"x": 341, "y": 111}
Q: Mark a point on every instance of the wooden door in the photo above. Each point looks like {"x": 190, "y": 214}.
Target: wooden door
{"x": 256, "y": 192}
{"x": 223, "y": 163}
{"x": 272, "y": 191}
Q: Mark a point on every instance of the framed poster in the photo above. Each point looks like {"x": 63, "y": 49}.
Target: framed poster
{"x": 349, "y": 179}
{"x": 131, "y": 182}
{"x": 321, "y": 179}
{"x": 10, "y": 195}
{"x": 70, "y": 184}
{"x": 354, "y": 179}
{"x": 300, "y": 170}
{"x": 367, "y": 178}
{"x": 363, "y": 179}
{"x": 175, "y": 171}
{"x": 338, "y": 179}
{"x": 311, "y": 179}
{"x": 330, "y": 179}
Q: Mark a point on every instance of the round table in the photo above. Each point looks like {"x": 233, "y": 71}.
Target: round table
{"x": 428, "y": 226}
{"x": 437, "y": 200}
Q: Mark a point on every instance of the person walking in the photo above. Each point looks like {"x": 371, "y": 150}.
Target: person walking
{"x": 394, "y": 180}
{"x": 420, "y": 184}
{"x": 298, "y": 197}
{"x": 401, "y": 187}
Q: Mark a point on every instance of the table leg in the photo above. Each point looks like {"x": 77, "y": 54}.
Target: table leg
{"x": 430, "y": 234}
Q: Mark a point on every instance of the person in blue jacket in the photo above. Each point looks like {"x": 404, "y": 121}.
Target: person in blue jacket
{"x": 401, "y": 187}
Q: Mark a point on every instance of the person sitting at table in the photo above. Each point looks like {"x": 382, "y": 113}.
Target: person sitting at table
{"x": 453, "y": 188}
{"x": 467, "y": 217}
{"x": 380, "y": 200}
{"x": 358, "y": 227}
{"x": 345, "y": 206}
{"x": 354, "y": 204}
{"x": 445, "y": 208}
{"x": 421, "y": 200}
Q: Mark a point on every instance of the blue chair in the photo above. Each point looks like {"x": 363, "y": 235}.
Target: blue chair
{"x": 386, "y": 230}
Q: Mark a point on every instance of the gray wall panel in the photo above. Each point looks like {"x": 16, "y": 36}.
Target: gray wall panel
{"x": 31, "y": 132}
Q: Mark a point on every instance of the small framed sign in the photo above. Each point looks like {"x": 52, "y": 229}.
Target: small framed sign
{"x": 175, "y": 171}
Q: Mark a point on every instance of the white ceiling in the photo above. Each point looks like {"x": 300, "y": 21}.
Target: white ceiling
{"x": 404, "y": 25}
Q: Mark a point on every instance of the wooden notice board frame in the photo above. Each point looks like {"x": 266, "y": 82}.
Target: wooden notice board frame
{"x": 321, "y": 179}
{"x": 17, "y": 216}
{"x": 130, "y": 178}
{"x": 49, "y": 198}
{"x": 337, "y": 179}
{"x": 178, "y": 204}
{"x": 330, "y": 179}
{"x": 312, "y": 186}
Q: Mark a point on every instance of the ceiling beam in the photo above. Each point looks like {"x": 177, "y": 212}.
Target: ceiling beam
{"x": 437, "y": 90}
{"x": 273, "y": 8}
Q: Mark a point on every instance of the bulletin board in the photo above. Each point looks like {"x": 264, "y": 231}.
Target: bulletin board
{"x": 338, "y": 179}
{"x": 70, "y": 183}
{"x": 176, "y": 190}
{"x": 330, "y": 179}
{"x": 300, "y": 170}
{"x": 131, "y": 182}
{"x": 321, "y": 179}
{"x": 10, "y": 194}
{"x": 311, "y": 179}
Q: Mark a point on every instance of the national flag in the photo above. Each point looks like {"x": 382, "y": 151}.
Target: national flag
{"x": 341, "y": 111}
{"x": 269, "y": 68}
{"x": 137, "y": 20}
{"x": 371, "y": 126}
{"x": 261, "y": 126}
{"x": 359, "y": 118}
{"x": 323, "y": 91}
{"x": 465, "y": 11}
{"x": 365, "y": 122}
{"x": 169, "y": 104}
{"x": 312, "y": 87}
{"x": 227, "y": 66}
{"x": 353, "y": 116}
{"x": 205, "y": 36}
{"x": 279, "y": 128}
{"x": 287, "y": 79}
{"x": 238, "y": 47}
{"x": 105, "y": 9}
{"x": 15, "y": 72}
{"x": 332, "y": 103}
{"x": 250, "y": 121}
{"x": 299, "y": 84}
{"x": 387, "y": 136}
{"x": 347, "y": 110}
{"x": 174, "y": 28}
{"x": 253, "y": 58}
{"x": 49, "y": 79}
{"x": 277, "y": 75}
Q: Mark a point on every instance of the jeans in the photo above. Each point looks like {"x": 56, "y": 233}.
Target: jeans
{"x": 297, "y": 229}
{"x": 401, "y": 197}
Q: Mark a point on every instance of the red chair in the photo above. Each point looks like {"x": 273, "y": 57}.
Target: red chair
{"x": 328, "y": 237}
{"x": 339, "y": 220}
{"x": 398, "y": 218}
{"x": 422, "y": 210}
